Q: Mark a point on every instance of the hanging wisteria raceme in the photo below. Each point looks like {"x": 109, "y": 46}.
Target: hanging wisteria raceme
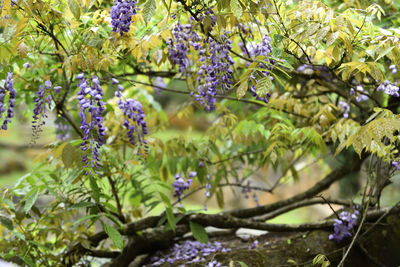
{"x": 263, "y": 48}
{"x": 40, "y": 110}
{"x": 389, "y": 88}
{"x": 90, "y": 102}
{"x": 344, "y": 225}
{"x": 12, "y": 94}
{"x": 121, "y": 15}
{"x": 134, "y": 117}
{"x": 178, "y": 48}
{"x": 215, "y": 73}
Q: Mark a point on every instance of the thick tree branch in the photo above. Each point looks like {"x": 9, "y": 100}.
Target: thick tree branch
{"x": 304, "y": 203}
{"x": 313, "y": 191}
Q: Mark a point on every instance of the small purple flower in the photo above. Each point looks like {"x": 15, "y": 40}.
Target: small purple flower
{"x": 254, "y": 244}
{"x": 393, "y": 68}
{"x": 80, "y": 76}
{"x": 214, "y": 263}
{"x": 396, "y": 165}
{"x": 345, "y": 108}
{"x": 26, "y": 65}
{"x": 57, "y": 89}
{"x": 48, "y": 84}
{"x": 360, "y": 97}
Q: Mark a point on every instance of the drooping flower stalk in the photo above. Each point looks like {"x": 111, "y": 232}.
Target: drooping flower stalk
{"x": 134, "y": 117}
{"x": 264, "y": 49}
{"x": 91, "y": 108}
{"x": 215, "y": 73}
{"x": 40, "y": 110}
{"x": 12, "y": 94}
{"x": 178, "y": 48}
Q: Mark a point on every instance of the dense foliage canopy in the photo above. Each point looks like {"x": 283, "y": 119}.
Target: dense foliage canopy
{"x": 269, "y": 83}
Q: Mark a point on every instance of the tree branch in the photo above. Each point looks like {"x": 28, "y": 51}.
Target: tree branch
{"x": 325, "y": 183}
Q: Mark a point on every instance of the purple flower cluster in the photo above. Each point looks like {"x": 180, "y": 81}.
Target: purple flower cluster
{"x": 181, "y": 185}
{"x": 39, "y": 112}
{"x": 215, "y": 72}
{"x": 344, "y": 225}
{"x": 134, "y": 117}
{"x": 90, "y": 102}
{"x": 345, "y": 108}
{"x": 389, "y": 88}
{"x": 121, "y": 15}
{"x": 12, "y": 94}
{"x": 190, "y": 252}
{"x": 178, "y": 49}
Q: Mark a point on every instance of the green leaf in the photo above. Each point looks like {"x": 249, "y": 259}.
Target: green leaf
{"x": 75, "y": 8}
{"x": 263, "y": 86}
{"x": 84, "y": 218}
{"x": 199, "y": 232}
{"x": 31, "y": 199}
{"x": 28, "y": 261}
{"x": 95, "y": 189}
{"x": 242, "y": 264}
{"x": 68, "y": 155}
{"x": 236, "y": 8}
{"x": 81, "y": 205}
{"x": 170, "y": 218}
{"x": 149, "y": 8}
{"x": 242, "y": 89}
{"x": 114, "y": 235}
{"x": 6, "y": 222}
